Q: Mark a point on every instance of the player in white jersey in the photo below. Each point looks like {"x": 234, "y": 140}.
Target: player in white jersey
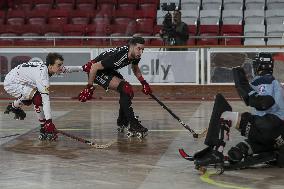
{"x": 29, "y": 83}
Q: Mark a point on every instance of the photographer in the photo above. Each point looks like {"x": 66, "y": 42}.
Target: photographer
{"x": 174, "y": 31}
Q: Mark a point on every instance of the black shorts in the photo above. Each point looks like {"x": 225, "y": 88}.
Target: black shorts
{"x": 104, "y": 77}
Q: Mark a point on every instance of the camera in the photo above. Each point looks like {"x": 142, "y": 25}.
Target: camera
{"x": 168, "y": 7}
{"x": 168, "y": 28}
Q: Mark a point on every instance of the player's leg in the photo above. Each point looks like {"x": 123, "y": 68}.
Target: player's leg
{"x": 23, "y": 94}
{"x": 126, "y": 94}
{"x": 110, "y": 80}
{"x": 262, "y": 134}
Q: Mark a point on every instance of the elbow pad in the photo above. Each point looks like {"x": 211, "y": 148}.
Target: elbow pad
{"x": 261, "y": 103}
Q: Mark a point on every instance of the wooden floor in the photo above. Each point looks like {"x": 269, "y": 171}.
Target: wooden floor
{"x": 151, "y": 163}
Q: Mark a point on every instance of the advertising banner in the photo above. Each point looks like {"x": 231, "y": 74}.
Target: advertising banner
{"x": 166, "y": 67}
{"x": 156, "y": 66}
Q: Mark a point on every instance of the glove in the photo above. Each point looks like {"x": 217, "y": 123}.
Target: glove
{"x": 87, "y": 93}
{"x": 87, "y": 67}
{"x": 146, "y": 87}
{"x": 49, "y": 127}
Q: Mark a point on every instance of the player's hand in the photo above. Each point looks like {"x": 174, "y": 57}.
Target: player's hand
{"x": 87, "y": 67}
{"x": 87, "y": 93}
{"x": 146, "y": 87}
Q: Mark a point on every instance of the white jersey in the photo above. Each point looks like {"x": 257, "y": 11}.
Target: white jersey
{"x": 33, "y": 74}
{"x": 27, "y": 78}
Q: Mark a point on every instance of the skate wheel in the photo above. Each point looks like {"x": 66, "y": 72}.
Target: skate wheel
{"x": 41, "y": 137}
{"x": 129, "y": 134}
{"x": 120, "y": 130}
{"x": 139, "y": 135}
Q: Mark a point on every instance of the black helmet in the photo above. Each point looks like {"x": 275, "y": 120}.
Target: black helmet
{"x": 263, "y": 64}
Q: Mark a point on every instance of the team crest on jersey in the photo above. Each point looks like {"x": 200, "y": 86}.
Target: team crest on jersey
{"x": 262, "y": 89}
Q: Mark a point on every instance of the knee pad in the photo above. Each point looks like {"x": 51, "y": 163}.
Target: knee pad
{"x": 125, "y": 88}
{"x": 37, "y": 100}
{"x": 240, "y": 151}
{"x": 27, "y": 102}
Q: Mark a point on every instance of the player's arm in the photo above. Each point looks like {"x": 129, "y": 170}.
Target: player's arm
{"x": 250, "y": 96}
{"x": 71, "y": 69}
{"x": 137, "y": 72}
{"x": 87, "y": 93}
{"x": 43, "y": 88}
{"x": 93, "y": 72}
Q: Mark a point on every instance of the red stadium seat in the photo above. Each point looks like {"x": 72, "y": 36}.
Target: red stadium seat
{"x": 156, "y": 2}
{"x": 57, "y": 16}
{"x": 114, "y": 2}
{"x": 25, "y": 5}
{"x": 37, "y": 17}
{"x": 81, "y": 16}
{"x": 74, "y": 30}
{"x": 125, "y": 10}
{"x": 208, "y": 30}
{"x": 43, "y": 4}
{"x": 10, "y": 30}
{"x": 94, "y": 30}
{"x": 231, "y": 30}
{"x": 105, "y": 10}
{"x": 2, "y": 17}
{"x": 85, "y": 4}
{"x": 127, "y": 6}
{"x": 192, "y": 29}
{"x": 16, "y": 17}
{"x": 127, "y": 26}
{"x": 148, "y": 11}
{"x": 65, "y": 4}
{"x": 191, "y": 42}
{"x": 100, "y": 21}
{"x": 135, "y": 2}
{"x": 145, "y": 25}
{"x": 52, "y": 30}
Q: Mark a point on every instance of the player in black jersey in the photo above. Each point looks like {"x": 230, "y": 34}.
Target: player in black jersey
{"x": 102, "y": 71}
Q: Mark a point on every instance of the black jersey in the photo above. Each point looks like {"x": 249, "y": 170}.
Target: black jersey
{"x": 115, "y": 58}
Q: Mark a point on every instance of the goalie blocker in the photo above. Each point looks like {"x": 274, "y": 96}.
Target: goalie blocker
{"x": 247, "y": 94}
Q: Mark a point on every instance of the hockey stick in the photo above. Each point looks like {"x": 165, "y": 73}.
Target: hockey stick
{"x": 93, "y": 144}
{"x": 194, "y": 134}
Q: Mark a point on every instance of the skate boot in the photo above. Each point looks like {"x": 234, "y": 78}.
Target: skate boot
{"x": 19, "y": 113}
{"x": 213, "y": 159}
{"x": 42, "y": 134}
{"x": 45, "y": 135}
{"x": 122, "y": 124}
{"x": 136, "y": 129}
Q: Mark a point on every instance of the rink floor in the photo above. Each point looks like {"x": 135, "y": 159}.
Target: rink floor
{"x": 151, "y": 163}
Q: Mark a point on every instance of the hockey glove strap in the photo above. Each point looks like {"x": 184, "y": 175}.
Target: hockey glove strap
{"x": 49, "y": 127}
{"x": 87, "y": 93}
{"x": 87, "y": 67}
{"x": 146, "y": 87}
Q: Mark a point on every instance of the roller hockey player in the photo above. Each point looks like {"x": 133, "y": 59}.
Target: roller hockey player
{"x": 263, "y": 128}
{"x": 29, "y": 83}
{"x": 103, "y": 71}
